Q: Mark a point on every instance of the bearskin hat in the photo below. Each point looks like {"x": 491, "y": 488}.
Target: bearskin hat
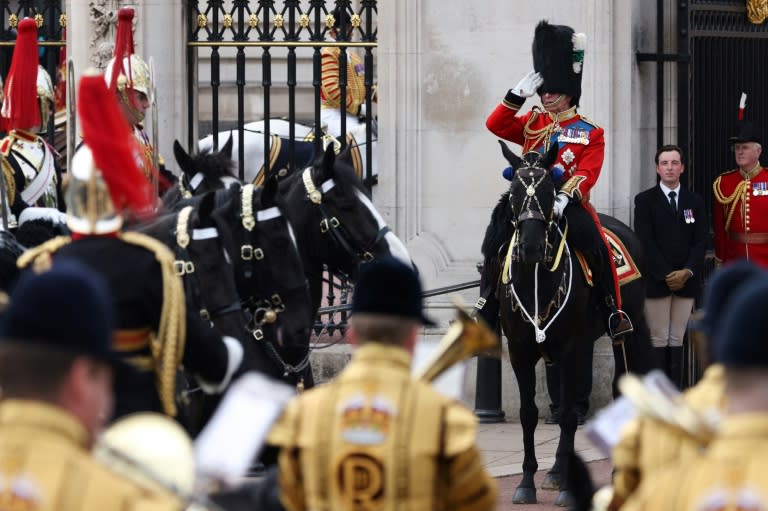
{"x": 558, "y": 55}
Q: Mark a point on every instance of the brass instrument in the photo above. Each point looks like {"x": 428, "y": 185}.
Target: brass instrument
{"x": 652, "y": 398}
{"x": 464, "y": 338}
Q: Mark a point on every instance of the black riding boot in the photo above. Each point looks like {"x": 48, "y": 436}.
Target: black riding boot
{"x": 618, "y": 321}
{"x": 487, "y": 306}
{"x": 674, "y": 368}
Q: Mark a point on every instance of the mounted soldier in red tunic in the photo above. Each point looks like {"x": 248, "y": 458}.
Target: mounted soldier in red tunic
{"x": 558, "y": 55}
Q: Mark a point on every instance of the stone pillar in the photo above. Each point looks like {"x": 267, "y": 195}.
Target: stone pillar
{"x": 161, "y": 34}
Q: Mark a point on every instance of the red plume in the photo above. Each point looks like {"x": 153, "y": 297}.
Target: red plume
{"x": 115, "y": 152}
{"x": 20, "y": 109}
{"x": 742, "y": 105}
{"x": 123, "y": 46}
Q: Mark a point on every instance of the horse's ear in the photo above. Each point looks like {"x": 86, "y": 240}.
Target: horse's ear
{"x": 182, "y": 157}
{"x": 551, "y": 157}
{"x": 325, "y": 162}
{"x": 227, "y": 149}
{"x": 269, "y": 192}
{"x": 345, "y": 156}
{"x": 513, "y": 159}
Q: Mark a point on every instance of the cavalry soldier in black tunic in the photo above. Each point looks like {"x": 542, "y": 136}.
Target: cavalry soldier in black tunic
{"x": 156, "y": 333}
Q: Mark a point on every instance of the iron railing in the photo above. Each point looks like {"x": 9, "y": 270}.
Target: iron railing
{"x": 267, "y": 24}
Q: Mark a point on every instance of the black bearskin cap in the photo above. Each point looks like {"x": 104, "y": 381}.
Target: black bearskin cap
{"x": 555, "y": 57}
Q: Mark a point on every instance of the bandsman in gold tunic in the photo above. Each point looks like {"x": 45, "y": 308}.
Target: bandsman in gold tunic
{"x": 56, "y": 369}
{"x": 374, "y": 438}
{"x": 647, "y": 444}
{"x": 733, "y": 471}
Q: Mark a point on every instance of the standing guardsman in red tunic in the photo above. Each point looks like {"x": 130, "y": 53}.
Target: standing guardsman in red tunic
{"x": 558, "y": 56}
{"x": 740, "y": 208}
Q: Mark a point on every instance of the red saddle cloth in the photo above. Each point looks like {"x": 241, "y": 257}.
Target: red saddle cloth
{"x": 626, "y": 269}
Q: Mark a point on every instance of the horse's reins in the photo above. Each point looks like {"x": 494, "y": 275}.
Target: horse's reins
{"x": 265, "y": 311}
{"x": 330, "y": 224}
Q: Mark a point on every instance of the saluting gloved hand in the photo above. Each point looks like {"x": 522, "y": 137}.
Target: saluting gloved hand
{"x": 528, "y": 86}
{"x": 561, "y": 201}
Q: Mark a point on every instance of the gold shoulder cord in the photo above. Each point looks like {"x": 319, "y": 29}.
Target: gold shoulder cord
{"x": 541, "y": 135}
{"x": 46, "y": 249}
{"x": 730, "y": 201}
{"x": 168, "y": 346}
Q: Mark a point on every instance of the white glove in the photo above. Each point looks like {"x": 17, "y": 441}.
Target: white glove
{"x": 39, "y": 213}
{"x": 561, "y": 201}
{"x": 361, "y": 112}
{"x": 528, "y": 86}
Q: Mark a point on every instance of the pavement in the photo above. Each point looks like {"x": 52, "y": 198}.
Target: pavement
{"x": 502, "y": 447}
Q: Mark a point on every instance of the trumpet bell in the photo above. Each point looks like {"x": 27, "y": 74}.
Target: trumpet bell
{"x": 465, "y": 338}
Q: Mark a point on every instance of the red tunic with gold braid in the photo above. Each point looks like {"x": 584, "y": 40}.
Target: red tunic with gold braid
{"x": 740, "y": 215}
{"x": 146, "y": 151}
{"x": 580, "y": 155}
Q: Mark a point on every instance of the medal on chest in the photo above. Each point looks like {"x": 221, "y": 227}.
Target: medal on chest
{"x": 688, "y": 216}
{"x": 573, "y": 136}
{"x": 759, "y": 189}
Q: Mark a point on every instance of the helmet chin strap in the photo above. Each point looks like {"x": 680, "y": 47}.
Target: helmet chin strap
{"x": 552, "y": 104}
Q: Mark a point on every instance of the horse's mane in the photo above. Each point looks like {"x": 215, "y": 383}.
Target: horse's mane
{"x": 500, "y": 230}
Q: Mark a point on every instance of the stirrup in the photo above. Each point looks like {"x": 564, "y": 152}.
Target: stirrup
{"x": 623, "y": 325}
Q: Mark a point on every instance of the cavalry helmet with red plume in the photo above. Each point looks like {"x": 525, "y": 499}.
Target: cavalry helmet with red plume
{"x": 28, "y": 92}
{"x": 558, "y": 55}
{"x": 126, "y": 70}
{"x": 105, "y": 178}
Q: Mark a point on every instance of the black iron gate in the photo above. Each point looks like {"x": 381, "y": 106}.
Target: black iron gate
{"x": 728, "y": 56}
{"x": 720, "y": 54}
{"x": 256, "y": 27}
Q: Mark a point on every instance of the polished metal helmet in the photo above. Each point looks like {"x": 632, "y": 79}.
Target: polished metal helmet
{"x": 45, "y": 96}
{"x": 140, "y": 79}
{"x": 89, "y": 204}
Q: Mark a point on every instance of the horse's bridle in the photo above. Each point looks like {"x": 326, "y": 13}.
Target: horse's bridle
{"x": 185, "y": 267}
{"x": 330, "y": 224}
{"x": 531, "y": 209}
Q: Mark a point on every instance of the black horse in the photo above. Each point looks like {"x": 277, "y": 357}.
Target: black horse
{"x": 269, "y": 315}
{"x": 201, "y": 173}
{"x": 337, "y": 225}
{"x": 540, "y": 282}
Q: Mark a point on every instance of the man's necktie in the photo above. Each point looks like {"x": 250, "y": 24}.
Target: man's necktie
{"x": 672, "y": 201}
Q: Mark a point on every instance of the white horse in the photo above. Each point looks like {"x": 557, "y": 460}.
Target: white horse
{"x": 254, "y": 153}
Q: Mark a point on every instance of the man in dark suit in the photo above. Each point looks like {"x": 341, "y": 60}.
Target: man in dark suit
{"x": 670, "y": 221}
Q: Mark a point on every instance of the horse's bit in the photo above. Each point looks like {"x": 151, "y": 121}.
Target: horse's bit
{"x": 331, "y": 224}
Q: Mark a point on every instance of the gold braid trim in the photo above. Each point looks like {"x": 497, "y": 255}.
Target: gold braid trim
{"x": 43, "y": 250}
{"x": 10, "y": 181}
{"x": 571, "y": 187}
{"x": 168, "y": 346}
{"x": 536, "y": 136}
{"x": 729, "y": 203}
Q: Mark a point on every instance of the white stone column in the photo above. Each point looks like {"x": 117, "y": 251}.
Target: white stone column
{"x": 161, "y": 34}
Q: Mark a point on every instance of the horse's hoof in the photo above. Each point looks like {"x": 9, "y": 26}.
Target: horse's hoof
{"x": 552, "y": 482}
{"x": 524, "y": 496}
{"x": 565, "y": 499}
